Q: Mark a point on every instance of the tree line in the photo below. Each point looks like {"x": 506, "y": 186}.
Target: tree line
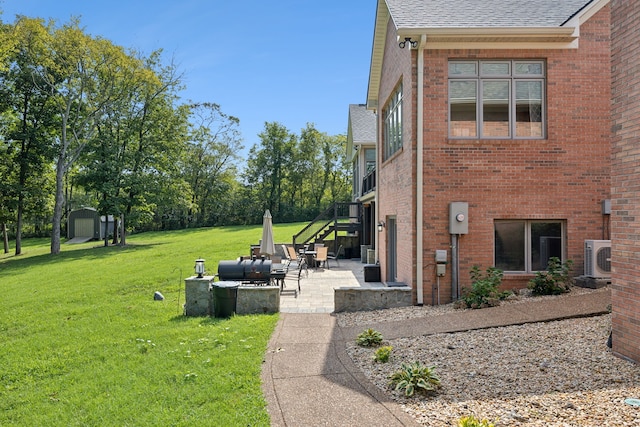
{"x": 87, "y": 123}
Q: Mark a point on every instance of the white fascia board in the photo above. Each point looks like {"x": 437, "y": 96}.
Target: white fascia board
{"x": 377, "y": 52}
{"x": 565, "y": 37}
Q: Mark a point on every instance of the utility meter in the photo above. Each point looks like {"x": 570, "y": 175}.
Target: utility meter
{"x": 458, "y": 218}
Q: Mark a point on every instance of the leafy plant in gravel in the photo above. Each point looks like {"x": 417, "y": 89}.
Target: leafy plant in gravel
{"x": 472, "y": 421}
{"x": 415, "y": 376}
{"x": 484, "y": 289}
{"x": 382, "y": 354}
{"x": 555, "y": 281}
{"x": 369, "y": 338}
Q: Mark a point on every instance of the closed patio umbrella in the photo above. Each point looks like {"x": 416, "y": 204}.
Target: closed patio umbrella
{"x": 267, "y": 247}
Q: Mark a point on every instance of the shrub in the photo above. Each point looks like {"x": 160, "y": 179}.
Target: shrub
{"x": 484, "y": 289}
{"x": 415, "y": 376}
{"x": 555, "y": 280}
{"x": 369, "y": 338}
{"x": 472, "y": 421}
{"x": 382, "y": 354}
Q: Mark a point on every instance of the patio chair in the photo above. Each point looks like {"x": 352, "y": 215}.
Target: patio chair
{"x": 321, "y": 256}
{"x": 292, "y": 255}
{"x": 255, "y": 252}
{"x": 294, "y": 267}
{"x": 335, "y": 256}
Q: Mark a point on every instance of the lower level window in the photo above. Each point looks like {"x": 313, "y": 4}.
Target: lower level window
{"x": 526, "y": 245}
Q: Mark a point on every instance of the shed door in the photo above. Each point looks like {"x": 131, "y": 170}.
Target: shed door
{"x": 84, "y": 227}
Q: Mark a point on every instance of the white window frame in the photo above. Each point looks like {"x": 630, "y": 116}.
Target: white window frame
{"x": 392, "y": 123}
{"x": 480, "y": 77}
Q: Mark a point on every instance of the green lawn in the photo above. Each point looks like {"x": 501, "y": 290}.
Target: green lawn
{"x": 84, "y": 343}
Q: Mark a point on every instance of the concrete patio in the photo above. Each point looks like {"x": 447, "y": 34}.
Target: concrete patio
{"x": 318, "y": 287}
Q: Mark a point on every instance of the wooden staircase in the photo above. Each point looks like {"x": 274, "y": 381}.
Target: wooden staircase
{"x": 344, "y": 218}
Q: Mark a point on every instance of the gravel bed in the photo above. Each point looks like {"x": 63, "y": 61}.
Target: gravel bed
{"x": 543, "y": 374}
{"x": 412, "y": 312}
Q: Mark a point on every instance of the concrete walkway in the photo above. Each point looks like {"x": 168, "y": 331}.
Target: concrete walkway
{"x": 309, "y": 380}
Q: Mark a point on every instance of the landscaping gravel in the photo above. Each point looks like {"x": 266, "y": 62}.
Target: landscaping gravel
{"x": 412, "y": 312}
{"x": 544, "y": 374}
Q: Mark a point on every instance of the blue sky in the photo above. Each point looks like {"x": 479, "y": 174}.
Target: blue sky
{"x": 288, "y": 61}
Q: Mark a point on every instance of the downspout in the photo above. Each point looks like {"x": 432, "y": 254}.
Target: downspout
{"x": 419, "y": 170}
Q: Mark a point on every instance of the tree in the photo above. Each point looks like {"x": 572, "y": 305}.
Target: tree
{"x": 158, "y": 142}
{"x": 29, "y": 126}
{"x": 81, "y": 75}
{"x": 267, "y": 166}
{"x": 338, "y": 169}
{"x": 209, "y": 166}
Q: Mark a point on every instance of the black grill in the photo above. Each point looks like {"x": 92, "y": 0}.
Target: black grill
{"x": 245, "y": 270}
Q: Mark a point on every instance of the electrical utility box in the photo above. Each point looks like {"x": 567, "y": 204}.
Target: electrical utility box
{"x": 458, "y": 218}
{"x": 441, "y": 262}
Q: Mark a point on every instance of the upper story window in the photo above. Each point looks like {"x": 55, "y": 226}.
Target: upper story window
{"x": 369, "y": 159}
{"x": 392, "y": 123}
{"x": 497, "y": 99}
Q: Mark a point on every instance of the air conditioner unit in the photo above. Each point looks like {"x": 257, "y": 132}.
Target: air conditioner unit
{"x": 597, "y": 259}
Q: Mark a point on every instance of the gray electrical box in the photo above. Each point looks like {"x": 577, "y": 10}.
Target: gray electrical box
{"x": 441, "y": 256}
{"x": 458, "y": 218}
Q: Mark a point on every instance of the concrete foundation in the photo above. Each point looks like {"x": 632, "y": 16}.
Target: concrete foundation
{"x": 591, "y": 282}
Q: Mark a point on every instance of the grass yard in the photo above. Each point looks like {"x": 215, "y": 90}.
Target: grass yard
{"x": 85, "y": 344}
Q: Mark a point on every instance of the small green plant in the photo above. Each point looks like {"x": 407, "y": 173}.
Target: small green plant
{"x": 484, "y": 289}
{"x": 555, "y": 280}
{"x": 415, "y": 376}
{"x": 472, "y": 421}
{"x": 382, "y": 354}
{"x": 369, "y": 338}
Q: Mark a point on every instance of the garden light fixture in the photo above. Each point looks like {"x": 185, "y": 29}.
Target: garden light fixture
{"x": 199, "y": 267}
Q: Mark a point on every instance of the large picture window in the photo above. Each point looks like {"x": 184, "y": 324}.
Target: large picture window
{"x": 392, "y": 123}
{"x": 496, "y": 99}
{"x": 525, "y": 246}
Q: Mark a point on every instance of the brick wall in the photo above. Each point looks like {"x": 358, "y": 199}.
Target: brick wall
{"x": 625, "y": 193}
{"x": 396, "y": 186}
{"x": 564, "y": 177}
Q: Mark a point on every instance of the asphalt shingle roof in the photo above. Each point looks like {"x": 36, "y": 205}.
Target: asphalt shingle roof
{"x": 363, "y": 124}
{"x": 482, "y": 13}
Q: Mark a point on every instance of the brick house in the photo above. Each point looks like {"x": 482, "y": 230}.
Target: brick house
{"x": 494, "y": 137}
{"x": 625, "y": 176}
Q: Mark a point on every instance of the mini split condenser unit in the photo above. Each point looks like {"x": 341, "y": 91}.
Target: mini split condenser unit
{"x": 597, "y": 259}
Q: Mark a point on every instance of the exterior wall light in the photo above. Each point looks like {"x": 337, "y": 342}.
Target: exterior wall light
{"x": 199, "y": 267}
{"x": 412, "y": 43}
{"x": 380, "y": 226}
